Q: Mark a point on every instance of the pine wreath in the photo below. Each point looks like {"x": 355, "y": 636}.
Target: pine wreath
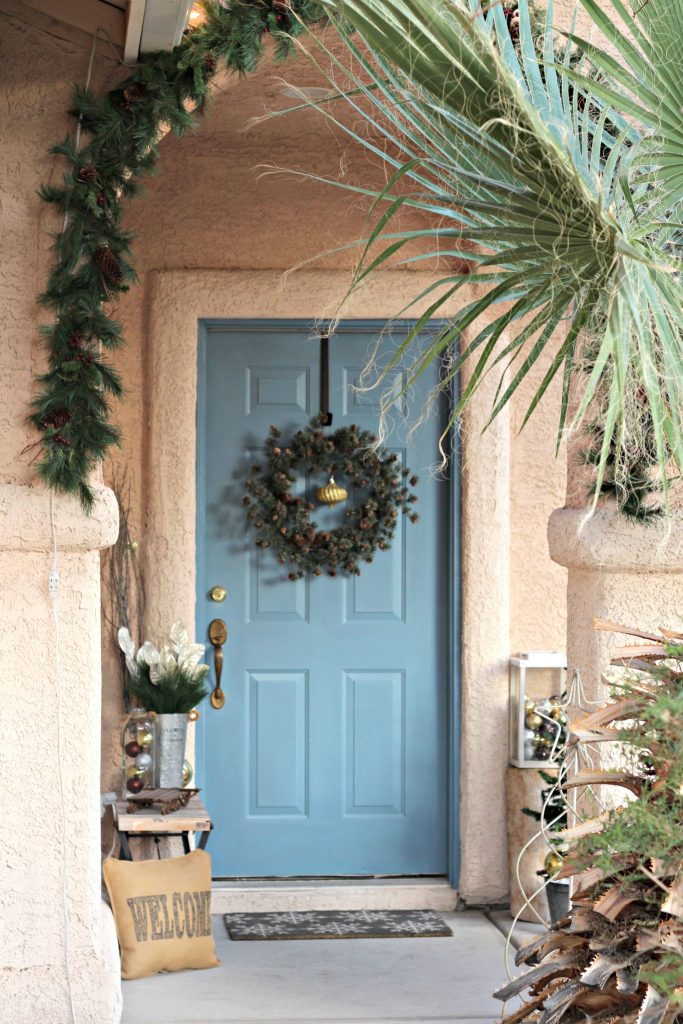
{"x": 282, "y": 520}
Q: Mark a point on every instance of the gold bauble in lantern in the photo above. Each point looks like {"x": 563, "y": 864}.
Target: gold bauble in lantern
{"x": 331, "y": 494}
{"x": 533, "y": 721}
{"x": 187, "y": 773}
{"x": 552, "y": 863}
{"x": 145, "y": 738}
{"x": 134, "y": 771}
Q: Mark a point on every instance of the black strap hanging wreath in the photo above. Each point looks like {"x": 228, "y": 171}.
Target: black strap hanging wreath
{"x": 282, "y": 520}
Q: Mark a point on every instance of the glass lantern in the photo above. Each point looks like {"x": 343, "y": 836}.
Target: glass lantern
{"x": 538, "y": 682}
{"x": 137, "y": 752}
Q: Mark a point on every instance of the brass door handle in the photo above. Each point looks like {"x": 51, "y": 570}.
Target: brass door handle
{"x": 218, "y": 634}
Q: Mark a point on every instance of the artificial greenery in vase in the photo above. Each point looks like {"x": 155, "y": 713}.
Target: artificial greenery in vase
{"x": 169, "y": 680}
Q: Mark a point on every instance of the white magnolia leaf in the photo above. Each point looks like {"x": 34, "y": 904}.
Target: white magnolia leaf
{"x": 201, "y": 672}
{"x": 148, "y": 653}
{"x": 179, "y": 637}
{"x": 155, "y": 673}
{"x": 132, "y": 667}
{"x": 167, "y": 659}
{"x": 189, "y": 656}
{"x": 126, "y": 642}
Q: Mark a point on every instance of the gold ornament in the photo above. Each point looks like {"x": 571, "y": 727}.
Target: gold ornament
{"x": 331, "y": 494}
{"x": 133, "y": 771}
{"x": 557, "y": 714}
{"x": 533, "y": 721}
{"x": 187, "y": 773}
{"x": 552, "y": 863}
{"x": 133, "y": 545}
{"x": 145, "y": 738}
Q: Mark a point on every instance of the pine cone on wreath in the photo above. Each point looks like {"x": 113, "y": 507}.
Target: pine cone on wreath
{"x": 86, "y": 175}
{"x": 108, "y": 264}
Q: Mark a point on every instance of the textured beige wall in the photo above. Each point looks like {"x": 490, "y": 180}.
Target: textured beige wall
{"x": 45, "y": 850}
{"x": 50, "y": 730}
{"x": 209, "y": 208}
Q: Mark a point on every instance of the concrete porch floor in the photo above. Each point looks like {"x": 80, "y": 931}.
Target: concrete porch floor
{"x": 348, "y": 981}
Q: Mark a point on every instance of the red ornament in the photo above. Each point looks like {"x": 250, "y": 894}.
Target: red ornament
{"x": 135, "y": 785}
{"x": 132, "y": 748}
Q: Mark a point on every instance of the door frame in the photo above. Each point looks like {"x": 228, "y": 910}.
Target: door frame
{"x": 361, "y": 325}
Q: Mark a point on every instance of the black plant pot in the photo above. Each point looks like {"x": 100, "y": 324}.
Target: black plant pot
{"x": 558, "y": 901}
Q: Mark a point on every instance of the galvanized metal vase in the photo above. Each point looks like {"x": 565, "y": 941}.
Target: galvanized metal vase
{"x": 171, "y": 734}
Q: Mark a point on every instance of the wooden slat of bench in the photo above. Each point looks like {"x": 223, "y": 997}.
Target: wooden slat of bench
{"x": 193, "y": 818}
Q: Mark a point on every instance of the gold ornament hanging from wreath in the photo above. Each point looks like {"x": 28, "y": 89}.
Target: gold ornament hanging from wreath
{"x": 282, "y": 519}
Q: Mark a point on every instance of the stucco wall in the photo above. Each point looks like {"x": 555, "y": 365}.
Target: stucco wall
{"x": 50, "y": 865}
{"x": 209, "y": 208}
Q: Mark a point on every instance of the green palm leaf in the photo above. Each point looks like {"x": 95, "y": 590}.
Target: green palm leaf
{"x": 560, "y": 180}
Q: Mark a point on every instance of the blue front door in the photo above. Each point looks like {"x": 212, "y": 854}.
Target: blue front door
{"x": 330, "y": 756}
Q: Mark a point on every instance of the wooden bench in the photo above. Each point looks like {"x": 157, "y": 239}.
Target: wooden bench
{"x": 150, "y": 823}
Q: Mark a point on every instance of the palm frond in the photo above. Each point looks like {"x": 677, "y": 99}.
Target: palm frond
{"x": 544, "y": 173}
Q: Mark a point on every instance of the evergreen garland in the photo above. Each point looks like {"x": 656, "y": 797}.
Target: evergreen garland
{"x": 92, "y": 257}
{"x": 282, "y": 520}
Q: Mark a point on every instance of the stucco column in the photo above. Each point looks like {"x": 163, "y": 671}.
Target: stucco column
{"x": 50, "y": 881}
{"x": 485, "y": 649}
{"x": 619, "y": 570}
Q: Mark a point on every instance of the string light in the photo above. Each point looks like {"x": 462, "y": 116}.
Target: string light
{"x": 196, "y": 16}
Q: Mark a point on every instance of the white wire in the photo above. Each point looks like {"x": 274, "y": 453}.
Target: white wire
{"x": 54, "y": 587}
{"x": 581, "y": 754}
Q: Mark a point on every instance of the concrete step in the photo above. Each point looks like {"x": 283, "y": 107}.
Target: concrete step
{"x": 245, "y": 895}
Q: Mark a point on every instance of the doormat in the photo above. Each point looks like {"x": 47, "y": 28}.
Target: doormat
{"x": 336, "y": 924}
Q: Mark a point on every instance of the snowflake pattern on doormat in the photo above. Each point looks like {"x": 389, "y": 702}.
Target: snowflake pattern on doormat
{"x": 336, "y": 924}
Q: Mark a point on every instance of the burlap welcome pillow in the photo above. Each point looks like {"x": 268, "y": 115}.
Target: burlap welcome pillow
{"x": 162, "y": 910}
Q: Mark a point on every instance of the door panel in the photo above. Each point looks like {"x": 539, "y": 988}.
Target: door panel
{"x": 330, "y": 755}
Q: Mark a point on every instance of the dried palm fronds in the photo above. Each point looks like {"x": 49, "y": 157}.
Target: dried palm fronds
{"x": 618, "y": 957}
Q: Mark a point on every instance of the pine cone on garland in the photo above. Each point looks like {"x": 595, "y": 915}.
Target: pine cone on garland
{"x": 108, "y": 264}
{"x": 86, "y": 175}
{"x": 83, "y": 355}
{"x": 53, "y": 420}
{"x": 131, "y": 95}
{"x": 134, "y": 92}
{"x": 210, "y": 65}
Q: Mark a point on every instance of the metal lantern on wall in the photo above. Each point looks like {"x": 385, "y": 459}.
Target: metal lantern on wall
{"x": 138, "y": 751}
{"x": 537, "y": 707}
